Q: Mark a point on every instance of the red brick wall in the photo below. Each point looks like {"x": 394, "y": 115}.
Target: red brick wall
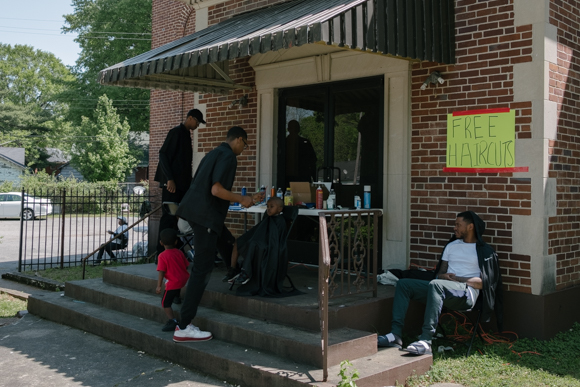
{"x": 488, "y": 45}
{"x": 564, "y": 228}
{"x": 230, "y": 8}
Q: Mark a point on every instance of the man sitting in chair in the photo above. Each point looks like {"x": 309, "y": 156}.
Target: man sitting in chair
{"x": 263, "y": 253}
{"x": 118, "y": 244}
{"x": 469, "y": 269}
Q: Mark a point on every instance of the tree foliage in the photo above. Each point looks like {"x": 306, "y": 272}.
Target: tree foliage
{"x": 105, "y": 155}
{"x": 31, "y": 115}
{"x": 110, "y": 31}
{"x": 345, "y": 135}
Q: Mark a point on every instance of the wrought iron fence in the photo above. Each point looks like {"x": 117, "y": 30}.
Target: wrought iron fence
{"x": 347, "y": 261}
{"x": 59, "y": 227}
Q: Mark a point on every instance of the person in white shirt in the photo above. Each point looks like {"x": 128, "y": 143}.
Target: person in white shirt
{"x": 118, "y": 243}
{"x": 456, "y": 286}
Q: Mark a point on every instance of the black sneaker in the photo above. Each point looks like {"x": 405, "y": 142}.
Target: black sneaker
{"x": 231, "y": 275}
{"x": 169, "y": 326}
{"x": 177, "y": 301}
{"x": 242, "y": 279}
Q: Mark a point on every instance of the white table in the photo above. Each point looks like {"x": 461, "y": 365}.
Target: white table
{"x": 260, "y": 209}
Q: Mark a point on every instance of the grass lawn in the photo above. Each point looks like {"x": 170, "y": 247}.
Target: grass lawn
{"x": 521, "y": 363}
{"x": 9, "y": 305}
{"x": 74, "y": 273}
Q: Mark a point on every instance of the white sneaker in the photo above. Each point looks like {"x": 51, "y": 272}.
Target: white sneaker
{"x": 190, "y": 333}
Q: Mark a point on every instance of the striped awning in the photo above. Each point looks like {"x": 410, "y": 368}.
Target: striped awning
{"x": 411, "y": 29}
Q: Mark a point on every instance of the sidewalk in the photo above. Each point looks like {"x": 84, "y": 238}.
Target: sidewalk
{"x": 37, "y": 352}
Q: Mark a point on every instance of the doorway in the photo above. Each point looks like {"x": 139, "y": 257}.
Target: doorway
{"x": 331, "y": 133}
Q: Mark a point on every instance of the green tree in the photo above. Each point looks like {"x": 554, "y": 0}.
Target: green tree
{"x": 31, "y": 115}
{"x": 109, "y": 32}
{"x": 105, "y": 155}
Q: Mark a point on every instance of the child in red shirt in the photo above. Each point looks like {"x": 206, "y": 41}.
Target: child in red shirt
{"x": 172, "y": 265}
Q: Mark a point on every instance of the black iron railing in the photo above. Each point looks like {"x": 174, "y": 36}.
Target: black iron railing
{"x": 59, "y": 227}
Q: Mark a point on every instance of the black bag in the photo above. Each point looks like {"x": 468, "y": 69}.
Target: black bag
{"x": 145, "y": 209}
{"x": 421, "y": 274}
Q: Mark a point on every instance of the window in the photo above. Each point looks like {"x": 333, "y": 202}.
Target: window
{"x": 333, "y": 133}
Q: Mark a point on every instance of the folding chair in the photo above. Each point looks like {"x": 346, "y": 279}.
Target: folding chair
{"x": 185, "y": 231}
{"x": 476, "y": 329}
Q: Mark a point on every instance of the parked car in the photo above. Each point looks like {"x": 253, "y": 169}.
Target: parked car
{"x": 11, "y": 204}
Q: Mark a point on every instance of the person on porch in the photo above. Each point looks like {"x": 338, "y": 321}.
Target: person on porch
{"x": 205, "y": 206}
{"x": 469, "y": 269}
{"x": 261, "y": 249}
{"x": 174, "y": 170}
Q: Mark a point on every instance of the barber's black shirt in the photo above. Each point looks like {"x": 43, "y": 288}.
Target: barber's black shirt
{"x": 198, "y": 204}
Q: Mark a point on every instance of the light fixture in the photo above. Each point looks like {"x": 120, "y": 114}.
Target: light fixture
{"x": 241, "y": 102}
{"x": 434, "y": 77}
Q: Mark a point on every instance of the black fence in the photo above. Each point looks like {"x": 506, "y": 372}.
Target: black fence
{"x": 60, "y": 227}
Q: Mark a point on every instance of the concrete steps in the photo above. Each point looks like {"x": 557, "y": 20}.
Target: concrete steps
{"x": 248, "y": 348}
{"x": 289, "y": 342}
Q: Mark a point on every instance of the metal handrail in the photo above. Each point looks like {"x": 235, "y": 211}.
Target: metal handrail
{"x": 326, "y": 279}
{"x": 84, "y": 260}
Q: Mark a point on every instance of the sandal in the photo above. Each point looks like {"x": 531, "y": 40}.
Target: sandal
{"x": 420, "y": 347}
{"x": 390, "y": 340}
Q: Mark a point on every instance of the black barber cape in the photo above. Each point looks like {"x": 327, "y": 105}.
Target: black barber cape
{"x": 265, "y": 257}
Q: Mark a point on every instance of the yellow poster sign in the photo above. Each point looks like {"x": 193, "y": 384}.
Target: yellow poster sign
{"x": 481, "y": 139}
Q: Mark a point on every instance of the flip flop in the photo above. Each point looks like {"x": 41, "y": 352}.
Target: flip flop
{"x": 420, "y": 347}
{"x": 390, "y": 340}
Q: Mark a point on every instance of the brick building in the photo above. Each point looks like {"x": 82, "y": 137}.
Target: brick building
{"x": 370, "y": 58}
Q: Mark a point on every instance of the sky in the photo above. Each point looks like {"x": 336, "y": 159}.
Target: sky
{"x": 38, "y": 23}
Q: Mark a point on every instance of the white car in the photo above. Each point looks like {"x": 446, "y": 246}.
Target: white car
{"x": 11, "y": 204}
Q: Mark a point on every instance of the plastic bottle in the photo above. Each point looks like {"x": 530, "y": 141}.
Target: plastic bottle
{"x": 288, "y": 198}
{"x": 272, "y": 191}
{"x": 357, "y": 202}
{"x": 263, "y": 190}
{"x": 367, "y": 196}
{"x": 280, "y": 193}
{"x": 243, "y": 194}
{"x": 331, "y": 201}
{"x": 319, "y": 198}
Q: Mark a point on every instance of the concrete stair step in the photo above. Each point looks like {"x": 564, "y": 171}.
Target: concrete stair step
{"x": 288, "y": 342}
{"x": 233, "y": 362}
{"x": 301, "y": 311}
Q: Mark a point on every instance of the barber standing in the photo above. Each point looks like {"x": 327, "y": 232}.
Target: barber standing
{"x": 174, "y": 171}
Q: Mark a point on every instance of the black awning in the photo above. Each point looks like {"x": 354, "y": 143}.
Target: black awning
{"x": 412, "y": 29}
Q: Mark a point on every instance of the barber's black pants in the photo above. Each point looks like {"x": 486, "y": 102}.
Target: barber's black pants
{"x": 205, "y": 243}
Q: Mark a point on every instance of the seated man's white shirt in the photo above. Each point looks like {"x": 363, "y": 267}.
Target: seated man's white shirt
{"x": 462, "y": 261}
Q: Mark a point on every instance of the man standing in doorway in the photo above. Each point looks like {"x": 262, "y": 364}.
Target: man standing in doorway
{"x": 174, "y": 168}
{"x": 300, "y": 156}
{"x": 205, "y": 206}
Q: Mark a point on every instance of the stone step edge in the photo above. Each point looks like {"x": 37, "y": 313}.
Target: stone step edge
{"x": 289, "y": 342}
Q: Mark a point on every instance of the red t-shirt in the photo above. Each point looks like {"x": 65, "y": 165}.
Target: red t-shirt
{"x": 174, "y": 264}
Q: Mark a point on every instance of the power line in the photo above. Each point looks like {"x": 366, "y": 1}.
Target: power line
{"x": 79, "y": 36}
{"x": 59, "y": 21}
{"x": 89, "y": 32}
{"x": 109, "y": 37}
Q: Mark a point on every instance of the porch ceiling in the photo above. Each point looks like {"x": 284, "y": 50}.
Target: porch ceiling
{"x": 411, "y": 29}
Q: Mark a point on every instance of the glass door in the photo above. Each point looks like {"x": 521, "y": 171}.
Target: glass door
{"x": 331, "y": 133}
